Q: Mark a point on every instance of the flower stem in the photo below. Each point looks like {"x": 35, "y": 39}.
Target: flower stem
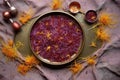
{"x": 94, "y": 26}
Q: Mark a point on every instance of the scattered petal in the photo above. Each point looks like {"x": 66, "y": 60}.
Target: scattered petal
{"x": 93, "y": 44}
{"x": 18, "y": 44}
{"x": 48, "y": 48}
{"x": 48, "y": 35}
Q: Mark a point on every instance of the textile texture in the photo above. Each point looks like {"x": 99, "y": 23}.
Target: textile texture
{"x": 108, "y": 64}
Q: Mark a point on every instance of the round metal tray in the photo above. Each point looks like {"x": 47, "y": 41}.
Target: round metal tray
{"x": 74, "y": 56}
{"x": 23, "y": 36}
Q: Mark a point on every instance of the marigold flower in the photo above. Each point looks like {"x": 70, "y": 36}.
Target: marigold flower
{"x": 105, "y": 19}
{"x": 9, "y": 51}
{"x": 26, "y": 16}
{"x": 91, "y": 61}
{"x": 102, "y": 35}
{"x": 76, "y": 68}
{"x": 56, "y": 4}
{"x": 31, "y": 60}
{"x": 23, "y": 69}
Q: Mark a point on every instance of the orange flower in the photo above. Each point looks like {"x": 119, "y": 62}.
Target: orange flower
{"x": 26, "y": 16}
{"x": 91, "y": 61}
{"x": 76, "y": 68}
{"x": 31, "y": 60}
{"x": 102, "y": 35}
{"x": 105, "y": 19}
{"x": 23, "y": 69}
{"x": 56, "y": 4}
{"x": 9, "y": 51}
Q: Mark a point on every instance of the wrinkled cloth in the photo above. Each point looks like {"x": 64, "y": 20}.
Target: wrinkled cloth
{"x": 108, "y": 64}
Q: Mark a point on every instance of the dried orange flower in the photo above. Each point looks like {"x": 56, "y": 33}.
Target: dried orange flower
{"x": 105, "y": 19}
{"x": 9, "y": 51}
{"x": 91, "y": 61}
{"x": 102, "y": 34}
{"x": 26, "y": 16}
{"x": 76, "y": 68}
{"x": 31, "y": 60}
{"x": 56, "y": 4}
{"x": 23, "y": 69}
{"x": 93, "y": 44}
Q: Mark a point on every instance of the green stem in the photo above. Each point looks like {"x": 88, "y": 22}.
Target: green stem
{"x": 94, "y": 26}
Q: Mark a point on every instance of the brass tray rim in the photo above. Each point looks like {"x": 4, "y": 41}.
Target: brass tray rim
{"x": 69, "y": 60}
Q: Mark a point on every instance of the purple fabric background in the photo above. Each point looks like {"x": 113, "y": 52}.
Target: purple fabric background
{"x": 108, "y": 66}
